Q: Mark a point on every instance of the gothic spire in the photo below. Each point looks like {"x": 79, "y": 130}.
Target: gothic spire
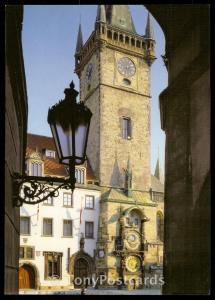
{"x": 79, "y": 43}
{"x": 101, "y": 14}
{"x": 149, "y": 33}
{"x": 119, "y": 16}
{"x": 157, "y": 170}
{"x": 128, "y": 179}
{"x": 158, "y": 173}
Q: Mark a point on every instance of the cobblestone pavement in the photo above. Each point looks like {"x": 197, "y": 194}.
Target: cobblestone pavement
{"x": 94, "y": 292}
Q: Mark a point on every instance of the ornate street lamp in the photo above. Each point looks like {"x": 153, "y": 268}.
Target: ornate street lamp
{"x": 69, "y": 122}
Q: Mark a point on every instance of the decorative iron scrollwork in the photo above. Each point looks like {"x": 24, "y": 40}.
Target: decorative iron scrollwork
{"x": 33, "y": 189}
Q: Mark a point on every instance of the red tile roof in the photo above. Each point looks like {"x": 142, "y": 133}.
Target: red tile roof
{"x": 51, "y": 165}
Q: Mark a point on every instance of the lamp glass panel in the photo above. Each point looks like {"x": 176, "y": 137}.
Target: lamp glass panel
{"x": 65, "y": 139}
{"x": 56, "y": 140}
{"x": 80, "y": 140}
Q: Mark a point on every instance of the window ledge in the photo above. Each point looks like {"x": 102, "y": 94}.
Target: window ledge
{"x": 46, "y": 235}
{"x": 67, "y": 236}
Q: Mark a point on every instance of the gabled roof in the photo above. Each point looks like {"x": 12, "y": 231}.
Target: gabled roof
{"x": 52, "y": 167}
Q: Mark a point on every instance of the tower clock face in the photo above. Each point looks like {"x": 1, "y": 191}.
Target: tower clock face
{"x": 89, "y": 72}
{"x": 126, "y": 66}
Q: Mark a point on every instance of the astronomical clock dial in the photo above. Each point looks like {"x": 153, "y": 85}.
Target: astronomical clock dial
{"x": 89, "y": 72}
{"x": 132, "y": 240}
{"x": 132, "y": 263}
{"x": 126, "y": 67}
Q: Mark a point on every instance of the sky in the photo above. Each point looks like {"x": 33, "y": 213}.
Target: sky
{"x": 49, "y": 40}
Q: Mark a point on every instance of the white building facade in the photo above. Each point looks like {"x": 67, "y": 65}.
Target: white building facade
{"x": 58, "y": 237}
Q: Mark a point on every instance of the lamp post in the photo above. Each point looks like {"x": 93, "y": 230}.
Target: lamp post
{"x": 69, "y": 122}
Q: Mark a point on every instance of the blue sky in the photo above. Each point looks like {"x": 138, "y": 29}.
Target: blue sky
{"x": 49, "y": 41}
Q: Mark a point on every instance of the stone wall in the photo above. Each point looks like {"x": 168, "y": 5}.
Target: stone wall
{"x": 15, "y": 139}
{"x": 185, "y": 118}
{"x": 109, "y": 101}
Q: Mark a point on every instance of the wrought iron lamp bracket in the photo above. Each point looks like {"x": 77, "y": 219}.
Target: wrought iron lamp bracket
{"x": 33, "y": 189}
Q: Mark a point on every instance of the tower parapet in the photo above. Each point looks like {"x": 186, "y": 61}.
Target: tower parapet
{"x": 109, "y": 35}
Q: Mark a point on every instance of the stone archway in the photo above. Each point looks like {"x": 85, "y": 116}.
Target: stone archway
{"x": 81, "y": 266}
{"x": 28, "y": 276}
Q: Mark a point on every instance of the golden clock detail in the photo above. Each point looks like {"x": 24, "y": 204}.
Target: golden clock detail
{"x": 132, "y": 263}
{"x": 132, "y": 240}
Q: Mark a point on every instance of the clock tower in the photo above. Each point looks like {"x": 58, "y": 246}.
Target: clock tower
{"x": 113, "y": 66}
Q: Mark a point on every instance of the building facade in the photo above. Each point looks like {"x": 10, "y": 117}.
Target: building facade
{"x": 114, "y": 71}
{"x": 58, "y": 236}
{"x": 16, "y": 115}
{"x": 126, "y": 221}
{"x": 185, "y": 107}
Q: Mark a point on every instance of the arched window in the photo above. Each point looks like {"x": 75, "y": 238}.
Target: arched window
{"x": 121, "y": 38}
{"x": 138, "y": 44}
{"x": 115, "y": 36}
{"x": 79, "y": 175}
{"x": 127, "y": 40}
{"x": 135, "y": 218}
{"x": 109, "y": 34}
{"x": 160, "y": 226}
{"x": 36, "y": 169}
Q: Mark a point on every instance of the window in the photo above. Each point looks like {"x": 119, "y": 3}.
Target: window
{"x": 21, "y": 252}
{"x": 128, "y": 221}
{"x": 26, "y": 252}
{"x": 89, "y": 230}
{"x": 126, "y": 81}
{"x": 36, "y": 169}
{"x": 126, "y": 128}
{"x": 89, "y": 202}
{"x": 67, "y": 199}
{"x": 48, "y": 201}
{"x": 50, "y": 153}
{"x": 79, "y": 175}
{"x": 47, "y": 227}
{"x": 160, "y": 226}
{"x": 67, "y": 227}
{"x": 53, "y": 265}
{"x": 136, "y": 221}
{"x": 138, "y": 44}
{"x": 24, "y": 225}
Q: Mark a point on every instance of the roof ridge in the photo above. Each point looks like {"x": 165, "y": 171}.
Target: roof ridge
{"x": 50, "y": 137}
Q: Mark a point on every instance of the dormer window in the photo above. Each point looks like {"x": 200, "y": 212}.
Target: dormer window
{"x": 50, "y": 153}
{"x": 36, "y": 169}
{"x": 80, "y": 175}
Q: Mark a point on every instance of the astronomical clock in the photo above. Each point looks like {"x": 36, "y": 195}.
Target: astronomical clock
{"x": 132, "y": 240}
{"x": 129, "y": 247}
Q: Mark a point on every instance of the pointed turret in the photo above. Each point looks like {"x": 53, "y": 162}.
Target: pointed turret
{"x": 149, "y": 33}
{"x": 101, "y": 14}
{"x": 158, "y": 173}
{"x": 79, "y": 43}
{"x": 128, "y": 179}
{"x": 157, "y": 170}
{"x": 150, "y": 41}
{"x": 119, "y": 16}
